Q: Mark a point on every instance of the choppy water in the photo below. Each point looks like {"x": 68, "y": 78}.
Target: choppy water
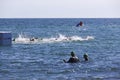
{"x": 42, "y": 59}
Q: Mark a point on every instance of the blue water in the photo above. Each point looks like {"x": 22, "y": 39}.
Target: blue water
{"x": 42, "y": 59}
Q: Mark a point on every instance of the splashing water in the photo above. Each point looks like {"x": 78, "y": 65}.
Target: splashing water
{"x": 22, "y": 39}
{"x": 61, "y": 38}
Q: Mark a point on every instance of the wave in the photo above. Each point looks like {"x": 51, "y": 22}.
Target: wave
{"x": 61, "y": 38}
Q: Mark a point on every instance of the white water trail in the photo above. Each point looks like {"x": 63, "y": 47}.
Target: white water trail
{"x": 22, "y": 39}
{"x": 61, "y": 38}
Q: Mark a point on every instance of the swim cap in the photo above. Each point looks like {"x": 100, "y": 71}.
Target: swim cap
{"x": 72, "y": 53}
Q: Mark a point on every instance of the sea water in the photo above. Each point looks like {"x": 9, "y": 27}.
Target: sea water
{"x": 54, "y": 39}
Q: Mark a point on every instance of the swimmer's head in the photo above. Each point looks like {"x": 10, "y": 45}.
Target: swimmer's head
{"x": 72, "y": 53}
{"x": 85, "y": 57}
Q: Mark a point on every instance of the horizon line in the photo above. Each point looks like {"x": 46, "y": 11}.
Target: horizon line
{"x": 56, "y": 17}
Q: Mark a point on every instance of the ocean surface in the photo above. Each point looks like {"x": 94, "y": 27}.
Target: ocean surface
{"x": 54, "y": 39}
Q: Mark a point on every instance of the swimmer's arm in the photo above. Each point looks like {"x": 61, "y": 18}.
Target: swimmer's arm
{"x": 70, "y": 60}
{"x": 65, "y": 61}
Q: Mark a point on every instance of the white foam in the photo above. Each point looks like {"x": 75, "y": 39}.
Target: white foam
{"x": 22, "y": 39}
{"x": 61, "y": 38}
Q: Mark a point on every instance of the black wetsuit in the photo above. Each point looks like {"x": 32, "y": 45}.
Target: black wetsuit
{"x": 85, "y": 57}
{"x": 73, "y": 60}
{"x": 79, "y": 24}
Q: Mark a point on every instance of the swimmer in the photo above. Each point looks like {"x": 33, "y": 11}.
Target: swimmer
{"x": 70, "y": 38}
{"x": 32, "y": 39}
{"x": 85, "y": 56}
{"x": 13, "y": 39}
{"x": 79, "y": 24}
{"x": 73, "y": 59}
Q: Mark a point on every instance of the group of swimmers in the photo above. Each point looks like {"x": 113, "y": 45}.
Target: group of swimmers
{"x": 75, "y": 59}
